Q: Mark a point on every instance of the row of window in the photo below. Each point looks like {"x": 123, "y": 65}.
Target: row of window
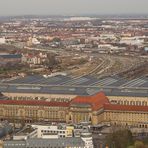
{"x": 40, "y": 98}
{"x": 32, "y": 113}
{"x": 127, "y": 116}
{"x": 138, "y": 103}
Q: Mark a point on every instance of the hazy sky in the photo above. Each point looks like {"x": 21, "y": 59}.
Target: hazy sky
{"x": 21, "y": 7}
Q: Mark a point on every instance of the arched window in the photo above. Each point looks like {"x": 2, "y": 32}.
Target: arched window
{"x": 62, "y": 115}
{"x": 90, "y": 119}
{"x": 70, "y": 118}
{"x": 137, "y": 102}
{"x": 119, "y": 102}
{"x": 41, "y": 114}
{"x": 128, "y": 103}
{"x": 144, "y": 103}
{"x": 125, "y": 102}
{"x": 21, "y": 113}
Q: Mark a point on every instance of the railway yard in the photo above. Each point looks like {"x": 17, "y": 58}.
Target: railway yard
{"x": 102, "y": 65}
{"x": 102, "y": 72}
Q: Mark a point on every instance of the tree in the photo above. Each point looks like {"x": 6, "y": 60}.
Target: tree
{"x": 56, "y": 39}
{"x": 82, "y": 61}
{"x": 131, "y": 146}
{"x": 51, "y": 62}
{"x": 119, "y": 139}
{"x": 139, "y": 144}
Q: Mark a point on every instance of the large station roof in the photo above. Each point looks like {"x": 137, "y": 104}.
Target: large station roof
{"x": 84, "y": 85}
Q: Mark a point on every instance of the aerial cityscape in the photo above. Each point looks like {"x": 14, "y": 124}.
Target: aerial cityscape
{"x": 74, "y": 78}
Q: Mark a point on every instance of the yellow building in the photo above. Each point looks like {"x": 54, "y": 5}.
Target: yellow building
{"x": 124, "y": 115}
{"x": 80, "y": 109}
{"x": 31, "y": 111}
{"x": 69, "y": 131}
{"x": 94, "y": 109}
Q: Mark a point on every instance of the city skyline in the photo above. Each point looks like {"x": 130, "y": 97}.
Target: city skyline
{"x": 69, "y": 7}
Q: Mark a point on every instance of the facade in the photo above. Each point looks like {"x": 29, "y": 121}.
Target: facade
{"x": 53, "y": 131}
{"x": 94, "y": 109}
{"x": 84, "y": 108}
{"x": 34, "y": 59}
{"x": 32, "y": 111}
{"x": 125, "y": 115}
{"x": 69, "y": 112}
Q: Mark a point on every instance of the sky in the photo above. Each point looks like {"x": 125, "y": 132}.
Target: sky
{"x": 72, "y": 7}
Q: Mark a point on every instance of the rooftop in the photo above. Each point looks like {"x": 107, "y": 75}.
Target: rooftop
{"x": 116, "y": 107}
{"x": 83, "y": 86}
{"x": 34, "y": 103}
{"x": 96, "y": 101}
{"x": 37, "y": 142}
{"x": 10, "y": 56}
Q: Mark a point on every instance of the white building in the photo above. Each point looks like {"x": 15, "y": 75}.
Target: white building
{"x": 132, "y": 41}
{"x": 105, "y": 46}
{"x": 107, "y": 36}
{"x": 53, "y": 131}
{"x": 35, "y": 41}
{"x": 87, "y": 138}
{"x": 2, "y": 40}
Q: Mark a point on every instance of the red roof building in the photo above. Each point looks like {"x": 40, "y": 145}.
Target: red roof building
{"x": 96, "y": 101}
{"x": 34, "y": 103}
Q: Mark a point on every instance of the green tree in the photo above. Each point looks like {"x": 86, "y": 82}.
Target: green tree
{"x": 56, "y": 39}
{"x": 51, "y": 61}
{"x": 139, "y": 144}
{"x": 119, "y": 139}
{"x": 131, "y": 146}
